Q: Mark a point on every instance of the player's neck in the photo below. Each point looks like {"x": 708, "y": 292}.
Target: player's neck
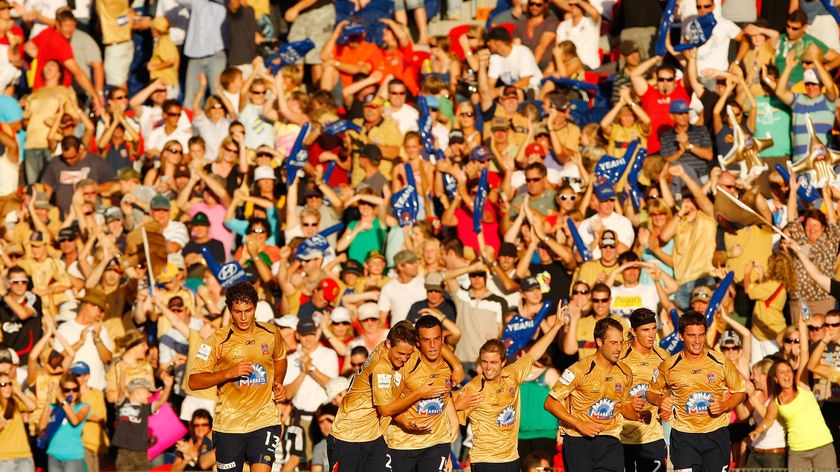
{"x": 636, "y": 346}
{"x": 603, "y": 361}
{"x": 695, "y": 357}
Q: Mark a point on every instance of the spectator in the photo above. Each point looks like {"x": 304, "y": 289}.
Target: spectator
{"x": 195, "y": 452}
{"x": 510, "y": 64}
{"x": 65, "y": 450}
{"x": 14, "y": 402}
{"x": 132, "y": 428}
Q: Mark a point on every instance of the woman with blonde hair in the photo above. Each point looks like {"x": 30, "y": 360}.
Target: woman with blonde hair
{"x": 16, "y": 454}
{"x": 132, "y": 364}
{"x": 767, "y": 451}
{"x": 648, "y": 242}
{"x": 770, "y": 291}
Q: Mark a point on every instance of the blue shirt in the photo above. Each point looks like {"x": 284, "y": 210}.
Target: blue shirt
{"x": 66, "y": 445}
{"x": 204, "y": 33}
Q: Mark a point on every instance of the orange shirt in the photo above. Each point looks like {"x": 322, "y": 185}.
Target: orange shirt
{"x": 365, "y": 52}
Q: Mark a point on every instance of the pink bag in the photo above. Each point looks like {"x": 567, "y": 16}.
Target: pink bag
{"x": 165, "y": 429}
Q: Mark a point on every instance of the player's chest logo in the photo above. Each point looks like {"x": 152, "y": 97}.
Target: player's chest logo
{"x": 507, "y": 417}
{"x": 258, "y": 377}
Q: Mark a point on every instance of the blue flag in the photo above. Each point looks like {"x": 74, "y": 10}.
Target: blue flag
{"x": 519, "y": 330}
{"x": 299, "y": 156}
{"x": 699, "y": 31}
{"x": 578, "y": 84}
{"x": 340, "y": 126}
{"x": 609, "y": 170}
{"x": 633, "y": 178}
{"x": 665, "y": 27}
{"x": 672, "y": 343}
{"x": 425, "y": 124}
{"x": 480, "y": 201}
{"x": 288, "y": 54}
{"x": 717, "y": 297}
{"x": 582, "y": 248}
{"x": 318, "y": 242}
{"x": 328, "y": 171}
{"x": 806, "y": 191}
{"x": 228, "y": 274}
{"x": 405, "y": 202}
{"x": 365, "y": 20}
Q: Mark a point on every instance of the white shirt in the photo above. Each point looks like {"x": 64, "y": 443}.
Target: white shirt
{"x": 151, "y": 118}
{"x": 398, "y": 297}
{"x": 626, "y": 299}
{"x": 714, "y": 53}
{"x": 88, "y": 352}
{"x": 311, "y": 394}
{"x": 406, "y": 118}
{"x": 177, "y": 233}
{"x": 518, "y": 64}
{"x": 621, "y": 225}
{"x": 585, "y": 36}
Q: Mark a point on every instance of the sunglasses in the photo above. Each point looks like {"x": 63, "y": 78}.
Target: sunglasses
{"x": 665, "y": 79}
{"x": 15, "y": 282}
{"x": 17, "y": 254}
{"x": 466, "y": 113}
{"x": 170, "y": 113}
{"x": 258, "y": 230}
{"x": 704, "y": 7}
{"x": 533, "y": 179}
{"x": 567, "y": 197}
{"x": 791, "y": 340}
{"x": 730, "y": 348}
{"x": 309, "y": 224}
{"x": 201, "y": 425}
{"x": 832, "y": 325}
{"x": 5, "y": 384}
{"x": 68, "y": 390}
{"x": 611, "y": 246}
{"x": 815, "y": 328}
{"x": 258, "y": 92}
{"x": 234, "y": 150}
{"x": 343, "y": 323}
{"x": 175, "y": 150}
{"x": 88, "y": 213}
{"x": 600, "y": 300}
{"x": 397, "y": 93}
{"x": 264, "y": 154}
{"x": 584, "y": 291}
{"x": 538, "y": 5}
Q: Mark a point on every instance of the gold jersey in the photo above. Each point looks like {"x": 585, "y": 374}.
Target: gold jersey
{"x": 195, "y": 343}
{"x": 244, "y": 404}
{"x": 642, "y": 366}
{"x": 376, "y": 384}
{"x": 594, "y": 394}
{"x": 694, "y": 385}
{"x": 428, "y": 411}
{"x": 495, "y": 422}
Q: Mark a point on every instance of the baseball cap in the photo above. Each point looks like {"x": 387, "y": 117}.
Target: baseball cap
{"x": 80, "y": 368}
{"x": 159, "y": 202}
{"x": 330, "y": 288}
{"x": 498, "y": 33}
{"x": 312, "y": 192}
{"x": 113, "y": 214}
{"x": 182, "y": 170}
{"x": 405, "y": 257}
{"x": 535, "y": 148}
{"x": 480, "y": 154}
{"x": 499, "y": 124}
{"x": 42, "y": 201}
{"x": 95, "y": 297}
{"x": 679, "y": 106}
{"x": 264, "y": 172}
{"x": 372, "y": 100}
{"x": 176, "y": 259}
{"x": 114, "y": 264}
{"x": 168, "y": 274}
{"x": 731, "y": 338}
{"x": 340, "y": 315}
{"x": 507, "y": 249}
{"x": 627, "y": 47}
{"x": 306, "y": 326}
{"x": 701, "y": 293}
{"x": 311, "y": 253}
{"x": 810, "y": 77}
{"x": 368, "y": 311}
{"x": 287, "y": 321}
{"x": 200, "y": 219}
{"x": 509, "y": 91}
{"x": 432, "y": 102}
{"x": 175, "y": 302}
{"x": 374, "y": 254}
{"x": 36, "y": 238}
{"x": 141, "y": 382}
{"x": 128, "y": 173}
{"x": 528, "y": 284}
{"x": 67, "y": 233}
{"x": 604, "y": 192}
{"x": 608, "y": 238}
{"x": 352, "y": 267}
{"x": 434, "y": 281}
{"x": 456, "y": 136}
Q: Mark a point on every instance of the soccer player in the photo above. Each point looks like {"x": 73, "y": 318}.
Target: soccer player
{"x": 491, "y": 402}
{"x": 591, "y": 399}
{"x": 694, "y": 383}
{"x": 356, "y": 440}
{"x": 643, "y": 441}
{"x": 419, "y": 438}
{"x": 247, "y": 362}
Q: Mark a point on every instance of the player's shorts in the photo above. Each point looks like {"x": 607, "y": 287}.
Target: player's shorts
{"x": 602, "y": 453}
{"x": 512, "y": 466}
{"x": 700, "y": 451}
{"x": 648, "y": 457}
{"x": 353, "y": 456}
{"x": 432, "y": 458}
{"x": 255, "y": 447}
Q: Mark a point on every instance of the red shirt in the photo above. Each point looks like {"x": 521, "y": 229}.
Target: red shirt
{"x": 52, "y": 46}
{"x": 656, "y": 105}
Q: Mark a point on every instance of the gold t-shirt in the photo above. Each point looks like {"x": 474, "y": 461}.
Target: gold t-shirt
{"x": 416, "y": 373}
{"x": 642, "y": 366}
{"x": 592, "y": 393}
{"x": 195, "y": 342}
{"x": 495, "y": 422}
{"x": 693, "y": 385}
{"x": 244, "y": 404}
{"x": 358, "y": 420}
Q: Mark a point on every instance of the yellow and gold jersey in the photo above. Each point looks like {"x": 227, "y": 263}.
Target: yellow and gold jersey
{"x": 694, "y": 385}
{"x": 429, "y": 411}
{"x": 594, "y": 394}
{"x": 244, "y": 404}
{"x": 195, "y": 343}
{"x": 495, "y": 422}
{"x": 642, "y": 366}
{"x": 376, "y": 384}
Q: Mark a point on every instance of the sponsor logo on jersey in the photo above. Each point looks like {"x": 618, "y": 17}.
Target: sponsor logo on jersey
{"x": 567, "y": 377}
{"x": 203, "y": 352}
{"x": 226, "y": 465}
{"x": 638, "y": 389}
{"x": 603, "y": 409}
{"x": 507, "y": 417}
{"x": 257, "y": 377}
{"x": 430, "y": 407}
{"x": 698, "y": 403}
{"x": 383, "y": 381}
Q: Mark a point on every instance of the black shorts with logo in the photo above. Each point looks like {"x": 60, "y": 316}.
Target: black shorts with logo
{"x": 432, "y": 458}
{"x": 700, "y": 451}
{"x": 358, "y": 456}
{"x": 650, "y": 457}
{"x": 255, "y": 447}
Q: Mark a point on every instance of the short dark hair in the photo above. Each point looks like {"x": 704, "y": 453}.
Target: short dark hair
{"x": 242, "y": 292}
{"x": 70, "y": 142}
{"x": 64, "y": 14}
{"x": 640, "y": 315}
{"x": 396, "y": 82}
{"x": 452, "y": 243}
{"x": 798, "y": 16}
{"x": 494, "y": 345}
{"x": 627, "y": 256}
{"x": 691, "y": 318}
{"x": 539, "y": 166}
{"x": 427, "y": 322}
{"x": 601, "y": 287}
{"x": 260, "y": 221}
{"x": 402, "y": 332}
{"x": 603, "y": 325}
{"x": 169, "y": 103}
{"x": 359, "y": 350}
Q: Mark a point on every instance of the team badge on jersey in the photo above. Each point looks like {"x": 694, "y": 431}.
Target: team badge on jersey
{"x": 430, "y": 407}
{"x": 618, "y": 389}
{"x": 507, "y": 417}
{"x": 698, "y": 403}
{"x": 603, "y": 409}
{"x": 257, "y": 377}
{"x": 264, "y": 349}
{"x": 711, "y": 377}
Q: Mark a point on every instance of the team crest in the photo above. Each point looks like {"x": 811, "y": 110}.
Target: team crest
{"x": 711, "y": 377}
{"x": 264, "y": 349}
{"x": 618, "y": 389}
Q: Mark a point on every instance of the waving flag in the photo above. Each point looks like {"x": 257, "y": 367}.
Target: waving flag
{"x": 717, "y": 297}
{"x": 699, "y": 30}
{"x": 480, "y": 201}
{"x": 578, "y": 84}
{"x": 425, "y": 124}
{"x": 288, "y": 54}
{"x": 329, "y": 171}
{"x": 228, "y": 274}
{"x": 633, "y": 178}
{"x": 806, "y": 192}
{"x": 318, "y": 242}
{"x": 405, "y": 202}
{"x": 672, "y": 342}
{"x": 299, "y": 156}
{"x": 665, "y": 26}
{"x": 519, "y": 330}
{"x": 609, "y": 170}
{"x": 365, "y": 20}
{"x": 340, "y": 126}
{"x": 582, "y": 248}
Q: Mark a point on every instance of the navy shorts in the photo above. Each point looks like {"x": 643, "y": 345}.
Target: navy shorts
{"x": 358, "y": 456}
{"x": 256, "y": 447}
{"x": 603, "y": 453}
{"x": 432, "y": 458}
{"x": 512, "y": 466}
{"x": 650, "y": 457}
{"x": 700, "y": 451}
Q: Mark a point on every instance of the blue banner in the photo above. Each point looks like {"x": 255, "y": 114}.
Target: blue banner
{"x": 228, "y": 274}
{"x": 405, "y": 202}
{"x": 519, "y": 330}
{"x": 288, "y": 54}
{"x": 582, "y": 248}
{"x": 665, "y": 27}
{"x": 425, "y": 125}
{"x": 699, "y": 30}
{"x": 672, "y": 343}
{"x": 299, "y": 155}
{"x": 717, "y": 297}
{"x": 633, "y": 178}
{"x": 578, "y": 84}
{"x": 480, "y": 201}
{"x": 806, "y": 191}
{"x": 609, "y": 169}
{"x": 340, "y": 126}
{"x": 365, "y": 20}
{"x": 318, "y": 242}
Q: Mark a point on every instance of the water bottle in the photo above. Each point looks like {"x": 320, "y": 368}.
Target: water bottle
{"x": 806, "y": 312}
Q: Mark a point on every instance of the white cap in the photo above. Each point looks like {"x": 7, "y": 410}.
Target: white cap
{"x": 287, "y": 321}
{"x": 336, "y": 386}
{"x": 340, "y": 315}
{"x": 368, "y": 310}
{"x": 263, "y": 172}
